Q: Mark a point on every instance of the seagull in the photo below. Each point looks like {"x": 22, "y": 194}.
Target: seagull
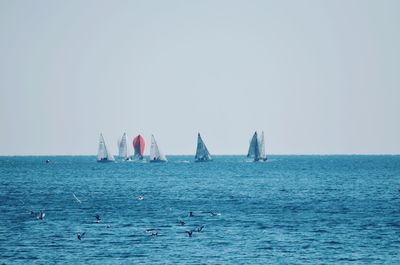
{"x": 141, "y": 197}
{"x": 152, "y": 231}
{"x": 190, "y": 232}
{"x": 98, "y": 219}
{"x": 76, "y": 198}
{"x": 40, "y": 215}
{"x": 212, "y": 213}
{"x": 80, "y": 236}
{"x": 200, "y": 228}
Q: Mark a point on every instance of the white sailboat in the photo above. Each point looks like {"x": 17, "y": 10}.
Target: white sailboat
{"x": 155, "y": 153}
{"x": 202, "y": 153}
{"x": 261, "y": 147}
{"x": 257, "y": 148}
{"x": 103, "y": 154}
{"x": 123, "y": 148}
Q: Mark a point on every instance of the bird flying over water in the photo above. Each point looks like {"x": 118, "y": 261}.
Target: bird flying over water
{"x": 152, "y": 231}
{"x": 98, "y": 219}
{"x": 200, "y": 228}
{"x": 190, "y": 232}
{"x": 40, "y": 215}
{"x": 212, "y": 213}
{"x": 80, "y": 235}
{"x": 76, "y": 198}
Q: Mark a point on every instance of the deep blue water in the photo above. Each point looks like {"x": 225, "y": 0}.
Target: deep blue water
{"x": 289, "y": 210}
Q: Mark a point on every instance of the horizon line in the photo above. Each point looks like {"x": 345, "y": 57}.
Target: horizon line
{"x": 283, "y": 154}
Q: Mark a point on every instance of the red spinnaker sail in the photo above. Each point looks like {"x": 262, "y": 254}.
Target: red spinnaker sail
{"x": 138, "y": 145}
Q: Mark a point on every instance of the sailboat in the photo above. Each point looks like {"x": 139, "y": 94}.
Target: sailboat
{"x": 103, "y": 154}
{"x": 155, "y": 154}
{"x": 202, "y": 153}
{"x": 257, "y": 148}
{"x": 123, "y": 148}
{"x": 138, "y": 146}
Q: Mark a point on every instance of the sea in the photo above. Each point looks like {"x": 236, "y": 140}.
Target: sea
{"x": 293, "y": 209}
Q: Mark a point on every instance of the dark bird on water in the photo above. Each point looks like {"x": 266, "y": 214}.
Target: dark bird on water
{"x": 181, "y": 222}
{"x": 98, "y": 219}
{"x": 190, "y": 232}
{"x": 80, "y": 236}
{"x": 200, "y": 228}
{"x": 191, "y": 214}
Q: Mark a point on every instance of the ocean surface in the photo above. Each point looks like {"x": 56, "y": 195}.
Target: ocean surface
{"x": 288, "y": 210}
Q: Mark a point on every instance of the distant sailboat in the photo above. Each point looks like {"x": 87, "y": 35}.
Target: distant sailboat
{"x": 103, "y": 154}
{"x": 257, "y": 148}
{"x": 123, "y": 148}
{"x": 138, "y": 146}
{"x": 202, "y": 153}
{"x": 261, "y": 148}
{"x": 155, "y": 154}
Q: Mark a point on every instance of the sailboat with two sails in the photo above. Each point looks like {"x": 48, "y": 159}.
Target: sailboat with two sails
{"x": 257, "y": 148}
{"x": 138, "y": 146}
{"x": 123, "y": 151}
{"x": 155, "y": 153}
{"x": 104, "y": 154}
{"x": 202, "y": 154}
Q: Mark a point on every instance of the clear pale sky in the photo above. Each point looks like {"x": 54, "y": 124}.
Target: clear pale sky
{"x": 316, "y": 76}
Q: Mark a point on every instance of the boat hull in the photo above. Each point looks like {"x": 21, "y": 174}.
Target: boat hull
{"x": 157, "y": 161}
{"x": 199, "y": 160}
{"x": 105, "y": 161}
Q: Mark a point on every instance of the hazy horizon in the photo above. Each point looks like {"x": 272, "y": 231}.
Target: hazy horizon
{"x": 318, "y": 77}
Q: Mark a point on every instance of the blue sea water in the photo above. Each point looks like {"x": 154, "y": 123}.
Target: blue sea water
{"x": 289, "y": 210}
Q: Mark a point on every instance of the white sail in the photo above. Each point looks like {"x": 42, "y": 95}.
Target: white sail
{"x": 254, "y": 147}
{"x": 261, "y": 147}
{"x": 123, "y": 147}
{"x": 155, "y": 152}
{"x": 103, "y": 154}
{"x": 202, "y": 153}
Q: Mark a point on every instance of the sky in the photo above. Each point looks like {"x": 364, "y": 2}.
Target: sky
{"x": 318, "y": 77}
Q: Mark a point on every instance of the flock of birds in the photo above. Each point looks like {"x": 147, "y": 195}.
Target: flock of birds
{"x": 150, "y": 231}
